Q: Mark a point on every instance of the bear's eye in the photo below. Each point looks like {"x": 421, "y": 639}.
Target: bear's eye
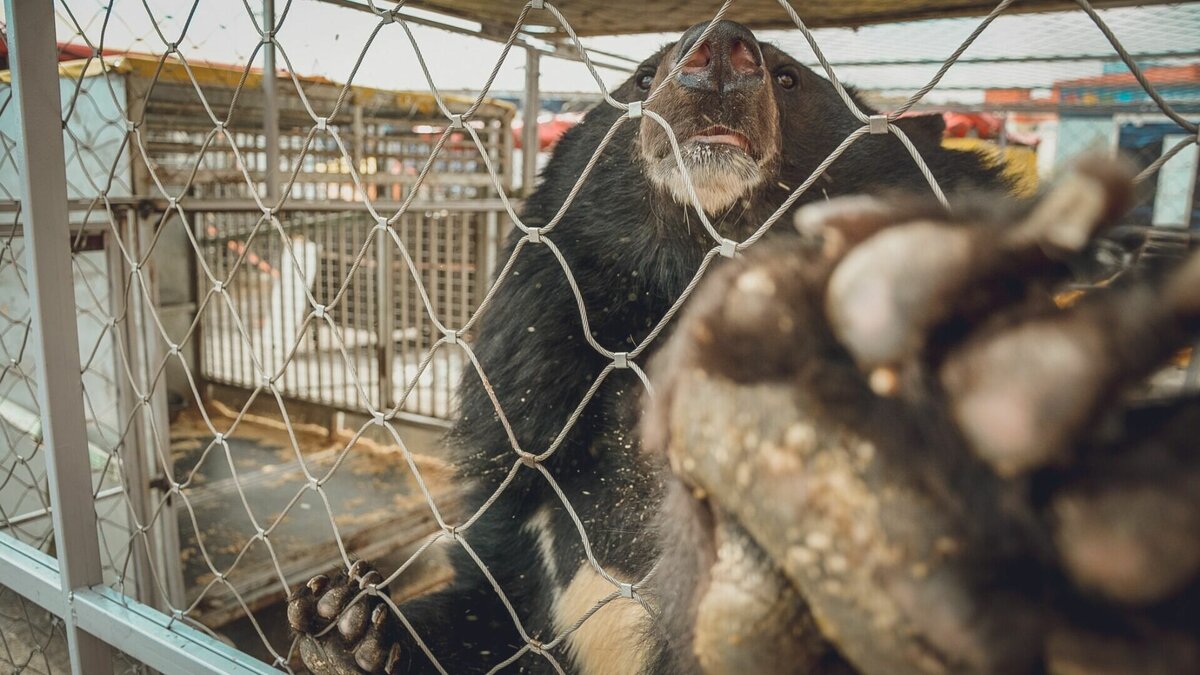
{"x": 644, "y": 80}
{"x": 785, "y": 79}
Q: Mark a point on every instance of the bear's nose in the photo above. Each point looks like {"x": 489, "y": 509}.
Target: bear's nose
{"x": 728, "y": 59}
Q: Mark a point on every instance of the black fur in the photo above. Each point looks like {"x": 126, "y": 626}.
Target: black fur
{"x": 631, "y": 250}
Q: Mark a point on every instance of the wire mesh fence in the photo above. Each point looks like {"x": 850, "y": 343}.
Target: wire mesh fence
{"x": 349, "y": 275}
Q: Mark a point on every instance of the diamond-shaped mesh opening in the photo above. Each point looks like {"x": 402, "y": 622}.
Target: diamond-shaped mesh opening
{"x": 261, "y": 367}
{"x": 32, "y": 640}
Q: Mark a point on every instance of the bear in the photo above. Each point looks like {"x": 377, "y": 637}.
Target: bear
{"x": 550, "y": 566}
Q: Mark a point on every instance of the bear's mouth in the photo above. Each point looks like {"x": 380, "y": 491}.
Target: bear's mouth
{"x": 719, "y": 135}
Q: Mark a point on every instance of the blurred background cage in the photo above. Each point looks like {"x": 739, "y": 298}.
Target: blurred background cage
{"x": 257, "y": 262}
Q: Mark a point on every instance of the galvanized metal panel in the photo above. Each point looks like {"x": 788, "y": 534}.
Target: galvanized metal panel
{"x": 615, "y": 17}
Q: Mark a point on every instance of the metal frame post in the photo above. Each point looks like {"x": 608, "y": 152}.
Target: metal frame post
{"x": 385, "y": 319}
{"x": 270, "y": 103}
{"x": 146, "y": 352}
{"x": 34, "y": 63}
{"x": 133, "y": 449}
{"x": 529, "y": 133}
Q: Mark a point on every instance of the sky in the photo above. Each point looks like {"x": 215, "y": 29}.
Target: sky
{"x": 323, "y": 39}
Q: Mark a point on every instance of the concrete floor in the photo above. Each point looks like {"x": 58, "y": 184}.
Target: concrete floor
{"x": 373, "y": 501}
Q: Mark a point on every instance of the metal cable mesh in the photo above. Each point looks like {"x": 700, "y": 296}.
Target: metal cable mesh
{"x": 33, "y": 641}
{"x": 22, "y": 472}
{"x": 117, "y": 298}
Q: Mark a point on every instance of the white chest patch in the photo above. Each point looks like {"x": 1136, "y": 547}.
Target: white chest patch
{"x": 609, "y": 642}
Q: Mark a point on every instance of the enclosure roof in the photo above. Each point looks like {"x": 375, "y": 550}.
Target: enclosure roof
{"x": 616, "y": 17}
{"x": 419, "y": 103}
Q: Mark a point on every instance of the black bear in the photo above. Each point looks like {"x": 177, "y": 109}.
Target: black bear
{"x": 752, "y": 124}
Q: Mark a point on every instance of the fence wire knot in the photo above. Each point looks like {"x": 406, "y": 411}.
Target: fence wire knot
{"x": 878, "y": 124}
{"x": 626, "y": 590}
{"x": 621, "y": 360}
{"x": 322, "y": 122}
{"x": 635, "y": 109}
{"x": 728, "y": 248}
{"x": 537, "y": 4}
{"x": 456, "y": 121}
{"x": 451, "y": 336}
{"x": 535, "y": 235}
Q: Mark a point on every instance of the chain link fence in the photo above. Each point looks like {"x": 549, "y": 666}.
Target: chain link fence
{"x": 309, "y": 245}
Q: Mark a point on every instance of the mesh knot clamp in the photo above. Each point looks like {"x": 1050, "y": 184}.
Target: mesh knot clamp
{"x": 728, "y": 248}
{"x": 456, "y": 121}
{"x": 537, "y": 4}
{"x": 621, "y": 360}
{"x": 878, "y": 124}
{"x": 451, "y": 336}
{"x": 626, "y": 590}
{"x": 535, "y": 235}
{"x": 635, "y": 109}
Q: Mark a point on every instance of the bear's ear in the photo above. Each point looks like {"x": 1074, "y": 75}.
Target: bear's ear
{"x": 923, "y": 128}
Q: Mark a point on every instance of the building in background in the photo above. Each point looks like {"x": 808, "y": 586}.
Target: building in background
{"x": 1092, "y": 115}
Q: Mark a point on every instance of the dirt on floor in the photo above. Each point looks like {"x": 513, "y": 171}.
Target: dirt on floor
{"x": 256, "y": 476}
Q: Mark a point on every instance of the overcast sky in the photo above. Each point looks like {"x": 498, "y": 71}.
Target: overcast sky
{"x": 323, "y": 39}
